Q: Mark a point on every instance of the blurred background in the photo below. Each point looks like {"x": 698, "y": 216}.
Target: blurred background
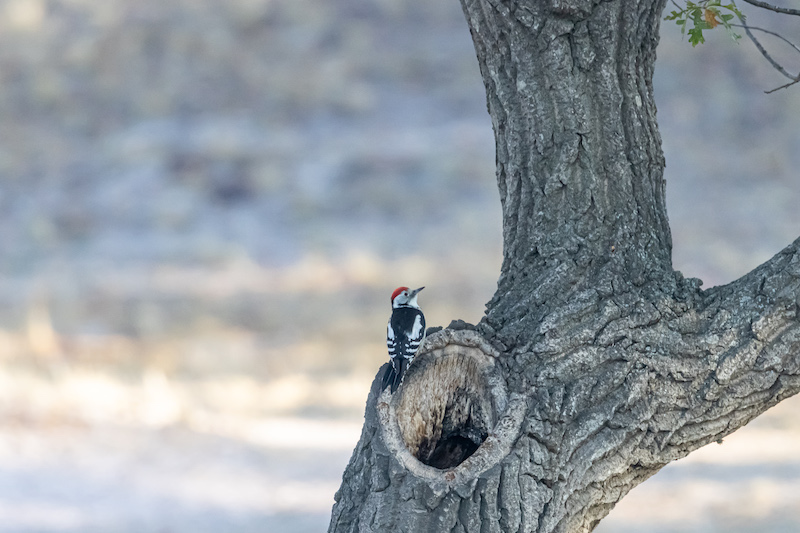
{"x": 205, "y": 205}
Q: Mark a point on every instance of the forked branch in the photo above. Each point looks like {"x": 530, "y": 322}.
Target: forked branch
{"x": 777, "y": 66}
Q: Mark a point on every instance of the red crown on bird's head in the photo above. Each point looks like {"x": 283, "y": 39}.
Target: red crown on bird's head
{"x": 397, "y": 291}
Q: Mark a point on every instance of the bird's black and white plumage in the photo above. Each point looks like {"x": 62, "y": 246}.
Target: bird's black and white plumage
{"x": 404, "y": 334}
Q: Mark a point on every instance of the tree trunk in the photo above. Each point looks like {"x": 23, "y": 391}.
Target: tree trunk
{"x": 596, "y": 364}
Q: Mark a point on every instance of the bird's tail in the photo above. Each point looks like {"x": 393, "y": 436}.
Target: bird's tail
{"x": 388, "y": 376}
{"x": 394, "y": 373}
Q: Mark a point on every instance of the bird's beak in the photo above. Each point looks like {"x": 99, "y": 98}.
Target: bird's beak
{"x": 416, "y": 291}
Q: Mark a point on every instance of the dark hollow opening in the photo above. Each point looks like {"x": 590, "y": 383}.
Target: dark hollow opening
{"x": 460, "y": 436}
{"x": 464, "y": 428}
{"x": 452, "y": 451}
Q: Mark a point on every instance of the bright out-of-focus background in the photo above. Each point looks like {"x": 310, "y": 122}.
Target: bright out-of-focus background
{"x": 205, "y": 205}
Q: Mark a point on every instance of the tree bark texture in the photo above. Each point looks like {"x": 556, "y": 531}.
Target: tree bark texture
{"x": 596, "y": 363}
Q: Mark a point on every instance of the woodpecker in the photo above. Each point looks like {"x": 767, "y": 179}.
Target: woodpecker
{"x": 404, "y": 334}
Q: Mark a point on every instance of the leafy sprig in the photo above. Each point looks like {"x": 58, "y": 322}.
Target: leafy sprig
{"x": 695, "y": 17}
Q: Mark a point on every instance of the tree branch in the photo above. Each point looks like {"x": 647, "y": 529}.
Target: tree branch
{"x": 743, "y": 358}
{"x": 769, "y": 32}
{"x": 776, "y": 9}
{"x": 784, "y": 86}
{"x": 767, "y": 56}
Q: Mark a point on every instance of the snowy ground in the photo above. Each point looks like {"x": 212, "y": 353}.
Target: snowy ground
{"x": 125, "y": 479}
{"x": 279, "y": 475}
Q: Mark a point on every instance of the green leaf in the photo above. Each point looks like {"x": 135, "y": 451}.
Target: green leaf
{"x": 696, "y": 36}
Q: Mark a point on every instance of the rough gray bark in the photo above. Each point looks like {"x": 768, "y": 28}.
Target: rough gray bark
{"x": 596, "y": 364}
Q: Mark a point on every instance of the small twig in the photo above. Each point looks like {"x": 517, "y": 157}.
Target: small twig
{"x": 770, "y": 32}
{"x": 767, "y": 56}
{"x": 796, "y": 80}
{"x": 694, "y": 11}
{"x": 764, "y": 52}
{"x": 776, "y": 9}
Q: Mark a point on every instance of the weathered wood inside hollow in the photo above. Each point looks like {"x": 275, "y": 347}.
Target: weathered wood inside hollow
{"x": 448, "y": 403}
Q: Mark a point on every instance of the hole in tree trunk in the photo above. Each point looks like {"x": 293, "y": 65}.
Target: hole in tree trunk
{"x": 447, "y": 404}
